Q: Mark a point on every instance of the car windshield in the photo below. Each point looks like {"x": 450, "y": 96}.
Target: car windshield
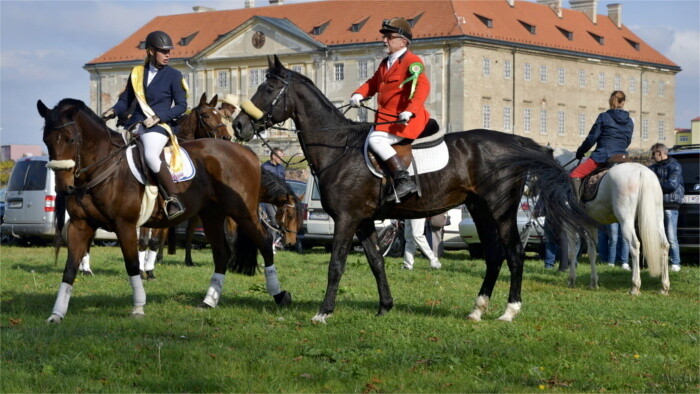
{"x": 28, "y": 175}
{"x": 298, "y": 188}
{"x": 691, "y": 171}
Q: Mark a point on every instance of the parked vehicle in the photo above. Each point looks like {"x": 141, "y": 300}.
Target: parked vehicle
{"x": 689, "y": 212}
{"x": 31, "y": 203}
{"x": 531, "y": 230}
{"x": 318, "y": 225}
{"x": 2, "y": 204}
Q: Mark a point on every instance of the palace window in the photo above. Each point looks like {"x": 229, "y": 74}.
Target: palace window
{"x": 562, "y": 76}
{"x": 560, "y": 123}
{"x": 339, "y": 73}
{"x": 487, "y": 116}
{"x": 543, "y": 121}
{"x": 581, "y": 125}
{"x": 362, "y": 70}
{"x": 528, "y": 72}
{"x": 543, "y": 73}
{"x": 526, "y": 120}
{"x": 487, "y": 67}
{"x": 645, "y": 129}
{"x": 601, "y": 80}
{"x": 662, "y": 130}
{"x": 507, "y": 69}
{"x": 618, "y": 82}
{"x": 507, "y": 121}
{"x": 582, "y": 79}
{"x": 223, "y": 79}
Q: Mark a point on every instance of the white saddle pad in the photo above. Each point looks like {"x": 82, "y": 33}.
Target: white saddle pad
{"x": 427, "y": 159}
{"x": 188, "y": 171}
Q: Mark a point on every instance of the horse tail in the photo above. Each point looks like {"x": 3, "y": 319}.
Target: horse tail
{"x": 244, "y": 253}
{"x": 59, "y": 222}
{"x": 651, "y": 222}
{"x": 528, "y": 161}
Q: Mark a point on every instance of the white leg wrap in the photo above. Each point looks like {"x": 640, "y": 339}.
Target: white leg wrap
{"x": 139, "y": 292}
{"x": 142, "y": 260}
{"x": 150, "y": 262}
{"x": 85, "y": 263}
{"x": 273, "y": 284}
{"x": 480, "y": 306}
{"x": 214, "y": 291}
{"x": 511, "y": 311}
{"x": 62, "y": 299}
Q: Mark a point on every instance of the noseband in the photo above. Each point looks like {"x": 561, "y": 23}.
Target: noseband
{"x": 265, "y": 121}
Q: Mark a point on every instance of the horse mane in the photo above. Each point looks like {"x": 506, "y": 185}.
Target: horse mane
{"x": 278, "y": 190}
{"x": 81, "y": 106}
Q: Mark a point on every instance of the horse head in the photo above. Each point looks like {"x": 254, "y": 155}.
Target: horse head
{"x": 290, "y": 217}
{"x": 209, "y": 120}
{"x": 269, "y": 105}
{"x": 64, "y": 139}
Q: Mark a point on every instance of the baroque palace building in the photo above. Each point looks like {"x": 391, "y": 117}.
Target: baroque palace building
{"x": 532, "y": 69}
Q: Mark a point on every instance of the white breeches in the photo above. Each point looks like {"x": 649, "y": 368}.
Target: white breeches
{"x": 413, "y": 233}
{"x": 153, "y": 144}
{"x": 381, "y": 141}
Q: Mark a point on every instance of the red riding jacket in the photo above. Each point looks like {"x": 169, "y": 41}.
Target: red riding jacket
{"x": 393, "y": 100}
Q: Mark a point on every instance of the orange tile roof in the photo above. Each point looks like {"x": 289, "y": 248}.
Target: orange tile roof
{"x": 452, "y": 18}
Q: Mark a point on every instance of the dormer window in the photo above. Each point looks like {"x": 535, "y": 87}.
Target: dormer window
{"x": 599, "y": 39}
{"x": 488, "y": 22}
{"x": 184, "y": 41}
{"x": 358, "y": 25}
{"x": 634, "y": 44}
{"x": 142, "y": 45}
{"x": 319, "y": 29}
{"x": 567, "y": 33}
{"x": 530, "y": 28}
{"x": 415, "y": 19}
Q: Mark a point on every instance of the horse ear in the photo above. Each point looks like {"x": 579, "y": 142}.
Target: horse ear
{"x": 214, "y": 100}
{"x": 203, "y": 99}
{"x": 270, "y": 65}
{"x": 43, "y": 109}
{"x": 278, "y": 63}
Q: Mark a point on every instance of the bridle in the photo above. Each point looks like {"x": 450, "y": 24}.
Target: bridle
{"x": 266, "y": 122}
{"x": 200, "y": 121}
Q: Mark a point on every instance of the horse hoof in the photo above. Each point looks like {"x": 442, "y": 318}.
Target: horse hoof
{"x": 663, "y": 292}
{"x": 137, "y": 315}
{"x": 283, "y": 299}
{"x": 321, "y": 318}
{"x": 54, "y": 319}
{"x": 87, "y": 272}
{"x": 506, "y": 318}
{"x": 150, "y": 275}
{"x": 635, "y": 292}
{"x": 204, "y": 305}
{"x": 474, "y": 317}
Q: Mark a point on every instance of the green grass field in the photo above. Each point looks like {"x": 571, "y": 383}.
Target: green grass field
{"x": 564, "y": 340}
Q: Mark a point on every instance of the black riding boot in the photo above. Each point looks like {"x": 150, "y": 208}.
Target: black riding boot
{"x": 402, "y": 182}
{"x": 173, "y": 207}
{"x": 577, "y": 187}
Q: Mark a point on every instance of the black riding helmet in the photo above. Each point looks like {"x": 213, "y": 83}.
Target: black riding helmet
{"x": 397, "y": 25}
{"x": 159, "y": 40}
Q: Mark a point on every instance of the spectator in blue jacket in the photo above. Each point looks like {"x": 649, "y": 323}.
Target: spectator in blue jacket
{"x": 671, "y": 178}
{"x": 276, "y": 166}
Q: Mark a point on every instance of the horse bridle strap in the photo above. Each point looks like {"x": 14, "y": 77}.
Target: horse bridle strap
{"x": 210, "y": 133}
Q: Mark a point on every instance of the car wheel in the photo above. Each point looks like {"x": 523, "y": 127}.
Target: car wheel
{"x": 476, "y": 251}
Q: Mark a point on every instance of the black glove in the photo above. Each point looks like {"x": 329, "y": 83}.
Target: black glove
{"x": 579, "y": 154}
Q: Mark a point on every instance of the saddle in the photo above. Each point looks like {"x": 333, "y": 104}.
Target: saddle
{"x": 591, "y": 182}
{"x": 430, "y": 137}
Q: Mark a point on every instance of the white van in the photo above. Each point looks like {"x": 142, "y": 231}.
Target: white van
{"x": 30, "y": 202}
{"x": 318, "y": 224}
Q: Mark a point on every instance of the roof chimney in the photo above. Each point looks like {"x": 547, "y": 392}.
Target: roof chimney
{"x": 249, "y": 3}
{"x": 588, "y": 7}
{"x": 511, "y": 3}
{"x": 276, "y": 2}
{"x": 199, "y": 8}
{"x": 615, "y": 14}
{"x": 555, "y": 5}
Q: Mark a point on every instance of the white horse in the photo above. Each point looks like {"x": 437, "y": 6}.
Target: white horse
{"x": 627, "y": 192}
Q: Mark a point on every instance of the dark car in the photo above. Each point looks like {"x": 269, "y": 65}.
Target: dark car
{"x": 689, "y": 212}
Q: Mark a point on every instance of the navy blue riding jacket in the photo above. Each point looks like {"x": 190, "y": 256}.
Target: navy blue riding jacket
{"x": 165, "y": 89}
{"x": 611, "y": 134}
{"x": 277, "y": 169}
{"x": 671, "y": 179}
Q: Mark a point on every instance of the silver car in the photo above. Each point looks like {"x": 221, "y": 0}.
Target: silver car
{"x": 531, "y": 230}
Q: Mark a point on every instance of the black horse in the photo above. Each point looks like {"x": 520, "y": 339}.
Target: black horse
{"x": 486, "y": 171}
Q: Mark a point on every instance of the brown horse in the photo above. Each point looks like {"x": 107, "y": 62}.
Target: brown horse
{"x": 88, "y": 159}
{"x": 203, "y": 121}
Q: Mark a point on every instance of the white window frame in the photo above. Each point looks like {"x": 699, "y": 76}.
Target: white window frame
{"x": 527, "y": 117}
{"x": 298, "y": 69}
{"x": 662, "y": 89}
{"x": 507, "y": 69}
{"x": 601, "y": 81}
{"x": 633, "y": 85}
{"x": 562, "y": 76}
{"x": 645, "y": 86}
{"x": 581, "y": 125}
{"x": 362, "y": 70}
{"x": 256, "y": 77}
{"x": 222, "y": 79}
{"x": 582, "y": 79}
{"x": 561, "y": 122}
{"x": 543, "y": 73}
{"x": 662, "y": 130}
{"x": 543, "y": 122}
{"x": 527, "y": 72}
{"x": 507, "y": 119}
{"x": 486, "y": 69}
{"x": 486, "y": 116}
{"x": 645, "y": 129}
{"x": 339, "y": 71}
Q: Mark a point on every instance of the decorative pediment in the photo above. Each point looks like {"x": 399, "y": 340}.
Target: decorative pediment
{"x": 261, "y": 35}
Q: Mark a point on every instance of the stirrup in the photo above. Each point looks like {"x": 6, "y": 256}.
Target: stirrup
{"x": 180, "y": 209}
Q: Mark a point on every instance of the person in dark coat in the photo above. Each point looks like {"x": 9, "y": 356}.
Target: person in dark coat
{"x": 670, "y": 175}
{"x": 611, "y": 134}
{"x": 156, "y": 93}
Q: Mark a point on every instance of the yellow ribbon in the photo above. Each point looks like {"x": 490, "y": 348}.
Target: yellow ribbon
{"x": 137, "y": 84}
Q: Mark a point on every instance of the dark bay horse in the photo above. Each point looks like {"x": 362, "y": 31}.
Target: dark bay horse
{"x": 486, "y": 171}
{"x": 203, "y": 121}
{"x": 88, "y": 159}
